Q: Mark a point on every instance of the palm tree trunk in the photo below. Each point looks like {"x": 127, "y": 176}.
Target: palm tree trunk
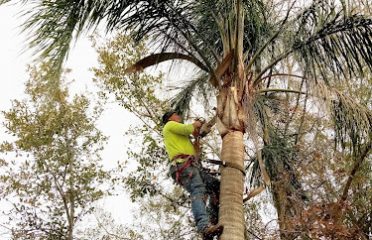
{"x": 229, "y": 108}
{"x": 288, "y": 204}
{"x": 231, "y": 214}
{"x": 282, "y": 206}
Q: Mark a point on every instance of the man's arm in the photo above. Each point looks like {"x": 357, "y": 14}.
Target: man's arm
{"x": 184, "y": 129}
{"x": 197, "y": 125}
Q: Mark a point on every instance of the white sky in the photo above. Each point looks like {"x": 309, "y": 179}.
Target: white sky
{"x": 13, "y": 74}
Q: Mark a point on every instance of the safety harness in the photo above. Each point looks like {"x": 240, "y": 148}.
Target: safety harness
{"x": 189, "y": 159}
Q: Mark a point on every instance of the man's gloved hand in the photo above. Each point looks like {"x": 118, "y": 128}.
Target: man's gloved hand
{"x": 206, "y": 127}
{"x": 197, "y": 124}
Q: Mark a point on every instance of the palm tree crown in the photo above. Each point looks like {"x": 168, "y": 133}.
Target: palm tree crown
{"x": 322, "y": 36}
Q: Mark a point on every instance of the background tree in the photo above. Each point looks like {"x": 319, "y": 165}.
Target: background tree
{"x": 52, "y": 173}
{"x": 240, "y": 48}
{"x": 106, "y": 228}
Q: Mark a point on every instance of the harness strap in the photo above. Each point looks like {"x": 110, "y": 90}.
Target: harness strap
{"x": 227, "y": 164}
{"x": 183, "y": 167}
{"x": 234, "y": 165}
{"x": 183, "y": 156}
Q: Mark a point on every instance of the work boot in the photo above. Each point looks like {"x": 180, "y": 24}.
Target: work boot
{"x": 211, "y": 231}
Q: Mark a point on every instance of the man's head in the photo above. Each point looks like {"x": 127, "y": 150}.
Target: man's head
{"x": 171, "y": 116}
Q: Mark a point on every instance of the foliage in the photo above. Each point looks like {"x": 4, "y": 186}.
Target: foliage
{"x": 160, "y": 219}
{"x": 105, "y": 228}
{"x": 135, "y": 93}
{"x": 298, "y": 145}
{"x": 53, "y": 172}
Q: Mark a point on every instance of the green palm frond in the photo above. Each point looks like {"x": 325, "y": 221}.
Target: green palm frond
{"x": 53, "y": 25}
{"x": 215, "y": 24}
{"x": 279, "y": 156}
{"x": 324, "y": 37}
{"x": 169, "y": 23}
{"x": 257, "y": 28}
{"x": 342, "y": 47}
{"x": 278, "y": 153}
{"x": 265, "y": 106}
{"x": 353, "y": 123}
{"x": 329, "y": 41}
{"x": 196, "y": 87}
{"x": 187, "y": 27}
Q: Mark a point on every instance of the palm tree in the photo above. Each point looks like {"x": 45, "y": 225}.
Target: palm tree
{"x": 240, "y": 48}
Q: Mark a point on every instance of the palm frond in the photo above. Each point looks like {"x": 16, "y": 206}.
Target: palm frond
{"x": 187, "y": 27}
{"x": 278, "y": 153}
{"x": 196, "y": 17}
{"x": 264, "y": 104}
{"x": 161, "y": 57}
{"x": 196, "y": 87}
{"x": 328, "y": 41}
{"x": 167, "y": 22}
{"x": 279, "y": 156}
{"x": 54, "y": 24}
{"x": 353, "y": 123}
{"x": 257, "y": 28}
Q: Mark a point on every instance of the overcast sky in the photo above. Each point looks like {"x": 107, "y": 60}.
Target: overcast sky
{"x": 13, "y": 75}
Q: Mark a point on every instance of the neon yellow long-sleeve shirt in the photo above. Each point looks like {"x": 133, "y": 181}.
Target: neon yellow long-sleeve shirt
{"x": 176, "y": 139}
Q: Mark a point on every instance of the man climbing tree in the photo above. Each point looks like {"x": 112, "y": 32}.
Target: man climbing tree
{"x": 186, "y": 170}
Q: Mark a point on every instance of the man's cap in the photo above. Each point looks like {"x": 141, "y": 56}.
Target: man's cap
{"x": 167, "y": 115}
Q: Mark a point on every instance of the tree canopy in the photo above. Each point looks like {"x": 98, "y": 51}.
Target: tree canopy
{"x": 53, "y": 172}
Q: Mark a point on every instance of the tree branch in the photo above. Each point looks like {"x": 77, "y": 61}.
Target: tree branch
{"x": 356, "y": 167}
{"x": 281, "y": 90}
{"x": 284, "y": 75}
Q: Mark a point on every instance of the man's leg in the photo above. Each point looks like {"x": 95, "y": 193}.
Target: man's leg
{"x": 191, "y": 180}
{"x": 213, "y": 190}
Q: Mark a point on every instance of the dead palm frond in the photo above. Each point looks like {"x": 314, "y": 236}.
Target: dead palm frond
{"x": 155, "y": 59}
